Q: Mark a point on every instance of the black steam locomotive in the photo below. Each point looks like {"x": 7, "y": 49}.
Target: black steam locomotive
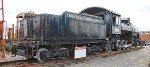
{"x": 46, "y": 36}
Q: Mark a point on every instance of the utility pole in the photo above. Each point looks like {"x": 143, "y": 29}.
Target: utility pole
{"x": 2, "y": 41}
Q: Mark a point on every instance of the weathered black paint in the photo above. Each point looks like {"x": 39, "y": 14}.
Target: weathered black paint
{"x": 47, "y": 27}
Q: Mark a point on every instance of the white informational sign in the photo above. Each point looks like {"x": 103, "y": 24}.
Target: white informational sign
{"x": 80, "y": 52}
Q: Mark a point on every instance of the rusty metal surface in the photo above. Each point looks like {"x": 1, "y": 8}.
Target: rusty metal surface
{"x": 145, "y": 36}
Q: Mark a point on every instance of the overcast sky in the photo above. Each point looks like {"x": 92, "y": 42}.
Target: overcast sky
{"x": 137, "y": 10}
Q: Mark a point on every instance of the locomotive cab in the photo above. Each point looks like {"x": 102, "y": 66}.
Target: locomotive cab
{"x": 112, "y": 20}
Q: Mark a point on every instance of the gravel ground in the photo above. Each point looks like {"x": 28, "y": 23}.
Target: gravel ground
{"x": 135, "y": 57}
{"x": 138, "y": 58}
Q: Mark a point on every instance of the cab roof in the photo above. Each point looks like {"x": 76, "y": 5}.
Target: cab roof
{"x": 95, "y": 10}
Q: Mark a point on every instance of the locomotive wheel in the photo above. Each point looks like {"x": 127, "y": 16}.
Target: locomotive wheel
{"x": 41, "y": 57}
{"x": 65, "y": 56}
{"x": 108, "y": 48}
{"x": 123, "y": 43}
{"x": 118, "y": 44}
{"x": 88, "y": 51}
{"x": 100, "y": 49}
{"x": 137, "y": 44}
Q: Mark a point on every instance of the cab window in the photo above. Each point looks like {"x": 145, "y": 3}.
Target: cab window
{"x": 116, "y": 20}
{"x": 108, "y": 17}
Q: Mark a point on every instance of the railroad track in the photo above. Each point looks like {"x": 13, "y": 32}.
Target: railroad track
{"x": 19, "y": 62}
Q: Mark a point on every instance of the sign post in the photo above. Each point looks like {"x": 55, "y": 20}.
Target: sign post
{"x": 80, "y": 52}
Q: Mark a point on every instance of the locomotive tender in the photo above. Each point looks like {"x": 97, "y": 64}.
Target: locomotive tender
{"x": 46, "y": 36}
